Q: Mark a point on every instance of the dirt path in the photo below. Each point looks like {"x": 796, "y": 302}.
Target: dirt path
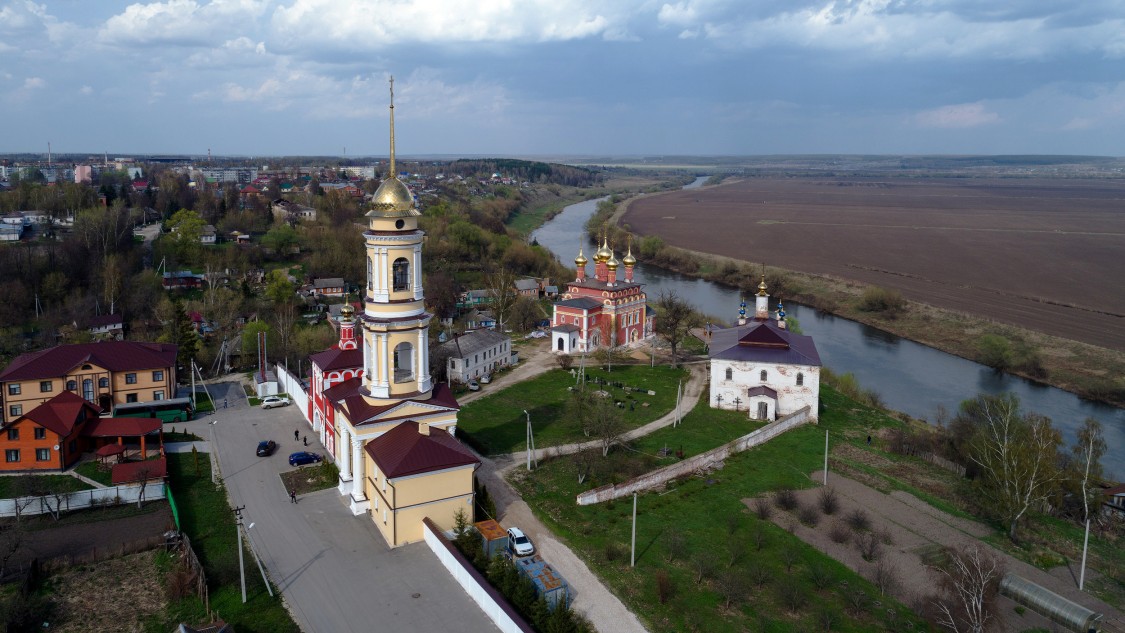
{"x": 916, "y": 529}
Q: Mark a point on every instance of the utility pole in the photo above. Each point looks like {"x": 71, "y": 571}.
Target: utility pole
{"x": 1085, "y": 543}
{"x": 633, "y": 550}
{"x": 825, "y": 457}
{"x": 258, "y": 560}
{"x": 241, "y": 565}
{"x": 530, "y": 442}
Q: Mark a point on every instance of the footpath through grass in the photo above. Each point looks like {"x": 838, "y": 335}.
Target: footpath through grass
{"x": 697, "y": 543}
{"x": 497, "y": 424}
{"x": 208, "y": 520}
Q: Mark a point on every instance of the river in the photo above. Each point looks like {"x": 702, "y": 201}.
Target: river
{"x": 910, "y": 377}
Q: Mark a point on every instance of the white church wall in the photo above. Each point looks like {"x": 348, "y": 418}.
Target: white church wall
{"x": 780, "y": 378}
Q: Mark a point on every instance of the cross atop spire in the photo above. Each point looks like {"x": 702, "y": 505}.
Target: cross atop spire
{"x": 394, "y": 174}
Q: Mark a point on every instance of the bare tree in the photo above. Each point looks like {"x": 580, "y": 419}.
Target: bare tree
{"x": 969, "y": 586}
{"x": 674, "y": 319}
{"x": 583, "y": 462}
{"x": 1017, "y": 454}
{"x": 1088, "y": 451}
{"x": 501, "y": 286}
{"x": 608, "y": 425}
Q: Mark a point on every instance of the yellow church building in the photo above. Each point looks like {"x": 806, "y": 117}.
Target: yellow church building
{"x": 395, "y": 397}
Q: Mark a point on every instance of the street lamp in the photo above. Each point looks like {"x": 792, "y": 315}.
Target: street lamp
{"x": 258, "y": 560}
{"x": 214, "y": 450}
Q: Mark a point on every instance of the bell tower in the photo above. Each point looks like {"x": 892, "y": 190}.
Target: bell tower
{"x": 395, "y": 322}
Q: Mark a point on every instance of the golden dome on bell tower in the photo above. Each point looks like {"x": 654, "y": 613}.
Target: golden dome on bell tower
{"x": 581, "y": 259}
{"x": 603, "y": 253}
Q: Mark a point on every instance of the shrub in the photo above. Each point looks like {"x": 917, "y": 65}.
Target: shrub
{"x": 758, "y": 574}
{"x": 676, "y": 543}
{"x": 876, "y": 299}
{"x": 819, "y": 575}
{"x": 664, "y": 586}
{"x": 614, "y": 551}
{"x": 760, "y": 539}
{"x": 808, "y": 515}
{"x": 869, "y": 546}
{"x": 785, "y": 499}
{"x": 885, "y": 577}
{"x": 839, "y": 533}
{"x": 789, "y": 557}
{"x": 828, "y": 501}
{"x": 858, "y": 520}
{"x": 763, "y": 509}
{"x": 791, "y": 594}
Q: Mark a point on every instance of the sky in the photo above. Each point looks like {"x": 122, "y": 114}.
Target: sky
{"x": 564, "y": 77}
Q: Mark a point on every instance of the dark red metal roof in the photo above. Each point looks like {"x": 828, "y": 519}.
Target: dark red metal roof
{"x": 764, "y": 342}
{"x": 121, "y": 427}
{"x": 60, "y": 414}
{"x": 113, "y": 355}
{"x": 359, "y": 410}
{"x": 334, "y": 358}
{"x": 761, "y": 390}
{"x": 404, "y": 451}
{"x": 147, "y": 470}
{"x": 110, "y": 449}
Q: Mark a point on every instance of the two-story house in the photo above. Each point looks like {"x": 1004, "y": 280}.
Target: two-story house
{"x": 477, "y": 353}
{"x": 105, "y": 374}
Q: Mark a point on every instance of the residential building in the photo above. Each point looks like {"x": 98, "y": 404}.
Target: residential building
{"x": 105, "y": 374}
{"x": 290, "y": 211}
{"x": 181, "y": 280}
{"x": 601, "y": 311}
{"x": 474, "y": 354}
{"x": 208, "y": 235}
{"x": 527, "y": 288}
{"x": 104, "y": 326}
{"x": 759, "y": 365}
{"x": 327, "y": 287}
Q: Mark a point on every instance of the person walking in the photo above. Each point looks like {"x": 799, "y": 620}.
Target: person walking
{"x": 292, "y": 496}
{"x": 296, "y": 434}
{"x": 306, "y": 439}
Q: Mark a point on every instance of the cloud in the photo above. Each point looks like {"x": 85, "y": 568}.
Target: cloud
{"x": 384, "y": 23}
{"x": 86, "y": 90}
{"x": 959, "y": 116}
{"x": 34, "y": 83}
{"x": 180, "y": 22}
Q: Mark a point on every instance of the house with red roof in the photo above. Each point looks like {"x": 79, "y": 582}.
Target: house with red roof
{"x": 104, "y": 374}
{"x": 761, "y": 366}
{"x": 54, "y": 435}
{"x": 417, "y": 471}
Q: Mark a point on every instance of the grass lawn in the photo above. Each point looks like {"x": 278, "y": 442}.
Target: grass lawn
{"x": 704, "y": 519}
{"x": 38, "y": 485}
{"x": 95, "y": 471}
{"x": 311, "y": 478}
{"x": 498, "y": 425}
{"x": 208, "y": 520}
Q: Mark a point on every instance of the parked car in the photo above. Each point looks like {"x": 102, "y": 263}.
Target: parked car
{"x": 474, "y": 385}
{"x": 303, "y": 457}
{"x": 519, "y": 543}
{"x": 485, "y": 379}
{"x": 266, "y": 448}
{"x": 270, "y": 402}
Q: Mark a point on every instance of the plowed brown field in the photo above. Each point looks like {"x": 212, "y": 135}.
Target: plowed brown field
{"x": 1048, "y": 255}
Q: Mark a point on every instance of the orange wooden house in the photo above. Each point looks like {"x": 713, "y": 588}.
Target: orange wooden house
{"x": 55, "y": 434}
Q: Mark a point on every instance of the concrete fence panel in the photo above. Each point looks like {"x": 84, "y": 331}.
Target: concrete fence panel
{"x": 50, "y": 504}
{"x": 699, "y": 462}
{"x": 291, "y": 385}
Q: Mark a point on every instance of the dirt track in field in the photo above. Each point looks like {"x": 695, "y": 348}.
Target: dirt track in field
{"x": 1048, "y": 255}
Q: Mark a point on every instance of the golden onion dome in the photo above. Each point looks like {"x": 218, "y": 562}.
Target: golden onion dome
{"x": 603, "y": 253}
{"x": 629, "y": 260}
{"x": 762, "y": 287}
{"x": 612, "y": 264}
{"x": 347, "y": 312}
{"x": 393, "y": 200}
{"x": 581, "y": 260}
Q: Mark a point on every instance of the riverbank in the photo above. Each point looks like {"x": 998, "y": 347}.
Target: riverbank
{"x": 1089, "y": 371}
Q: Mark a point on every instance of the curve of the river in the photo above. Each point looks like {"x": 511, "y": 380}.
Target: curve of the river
{"x": 910, "y": 377}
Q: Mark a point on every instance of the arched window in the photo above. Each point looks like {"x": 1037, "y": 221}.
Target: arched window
{"x": 404, "y": 362}
{"x": 88, "y": 389}
{"x": 103, "y": 382}
{"x": 71, "y": 385}
{"x": 730, "y": 374}
{"x": 401, "y": 271}
{"x": 800, "y": 379}
{"x": 764, "y": 375}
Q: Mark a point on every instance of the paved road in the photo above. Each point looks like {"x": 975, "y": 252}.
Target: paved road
{"x": 334, "y": 570}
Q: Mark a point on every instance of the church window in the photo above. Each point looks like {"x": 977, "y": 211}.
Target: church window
{"x": 800, "y": 379}
{"x": 730, "y": 374}
{"x": 370, "y": 276}
{"x": 764, "y": 375}
{"x": 404, "y": 362}
{"x": 401, "y": 270}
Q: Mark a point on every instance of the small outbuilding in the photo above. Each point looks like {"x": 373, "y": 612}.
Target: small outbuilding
{"x": 549, "y": 583}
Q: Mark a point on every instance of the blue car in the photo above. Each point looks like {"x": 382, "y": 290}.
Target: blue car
{"x": 303, "y": 457}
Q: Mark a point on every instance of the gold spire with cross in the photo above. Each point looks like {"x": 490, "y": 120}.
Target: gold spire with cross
{"x": 392, "y": 199}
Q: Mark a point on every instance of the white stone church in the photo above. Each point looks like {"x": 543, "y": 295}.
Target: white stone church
{"x": 762, "y": 367}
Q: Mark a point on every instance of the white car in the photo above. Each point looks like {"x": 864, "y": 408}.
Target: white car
{"x": 270, "y": 402}
{"x": 519, "y": 543}
{"x": 485, "y": 379}
{"x": 474, "y": 385}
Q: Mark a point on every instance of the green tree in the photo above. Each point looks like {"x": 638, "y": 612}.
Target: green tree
{"x": 280, "y": 239}
{"x": 186, "y": 227}
{"x": 995, "y": 351}
{"x": 1086, "y": 465}
{"x": 278, "y": 287}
